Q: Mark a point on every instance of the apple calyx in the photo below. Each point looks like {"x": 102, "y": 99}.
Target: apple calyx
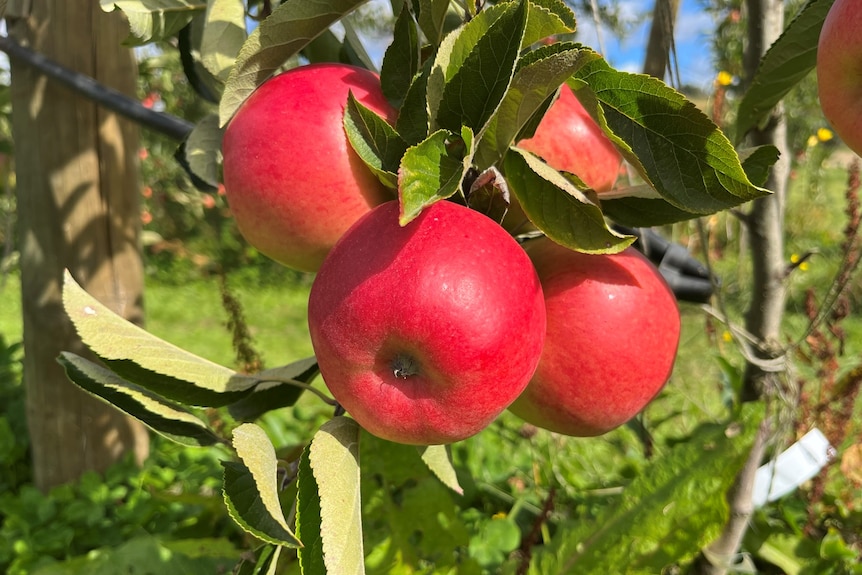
{"x": 404, "y": 366}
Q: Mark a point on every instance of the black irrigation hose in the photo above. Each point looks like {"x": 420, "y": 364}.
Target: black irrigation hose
{"x": 167, "y": 124}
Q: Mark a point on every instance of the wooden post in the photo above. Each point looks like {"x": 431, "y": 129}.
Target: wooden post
{"x": 78, "y": 208}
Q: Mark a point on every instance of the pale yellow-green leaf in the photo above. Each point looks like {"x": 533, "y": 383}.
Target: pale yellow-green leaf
{"x": 334, "y": 458}
{"x": 113, "y": 338}
{"x": 151, "y": 20}
{"x": 257, "y": 453}
{"x": 173, "y": 421}
{"x": 439, "y": 461}
{"x": 203, "y": 149}
{"x": 223, "y": 36}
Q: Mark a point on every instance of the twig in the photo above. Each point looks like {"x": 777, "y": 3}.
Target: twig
{"x": 529, "y": 541}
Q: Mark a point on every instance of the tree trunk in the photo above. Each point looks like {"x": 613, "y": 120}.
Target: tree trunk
{"x": 78, "y": 208}
{"x": 660, "y": 42}
{"x": 765, "y": 227}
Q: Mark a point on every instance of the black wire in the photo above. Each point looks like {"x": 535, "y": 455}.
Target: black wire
{"x": 167, "y": 124}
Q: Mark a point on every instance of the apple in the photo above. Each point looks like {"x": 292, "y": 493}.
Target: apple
{"x": 613, "y": 333}
{"x": 292, "y": 180}
{"x": 569, "y": 140}
{"x": 839, "y": 71}
{"x": 425, "y": 333}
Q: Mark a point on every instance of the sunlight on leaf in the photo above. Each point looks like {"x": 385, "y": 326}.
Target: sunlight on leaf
{"x": 670, "y": 511}
{"x": 438, "y": 458}
{"x": 334, "y": 460}
{"x": 144, "y": 359}
{"x": 432, "y": 171}
{"x": 153, "y": 20}
{"x": 251, "y": 487}
{"x": 474, "y": 67}
{"x": 170, "y": 420}
{"x": 539, "y": 75}
{"x": 223, "y": 36}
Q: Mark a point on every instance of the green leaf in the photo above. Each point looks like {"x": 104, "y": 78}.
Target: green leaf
{"x": 251, "y": 487}
{"x": 148, "y": 361}
{"x": 540, "y": 73}
{"x": 781, "y": 550}
{"x": 401, "y": 60}
{"x": 567, "y": 215}
{"x": 790, "y": 58}
{"x": 438, "y": 458}
{"x": 334, "y": 460}
{"x": 412, "y": 123}
{"x": 634, "y": 211}
{"x": 673, "y": 145}
{"x": 432, "y": 17}
{"x": 409, "y": 513}
{"x": 374, "y": 140}
{"x": 547, "y": 18}
{"x": 642, "y": 207}
{"x": 277, "y": 388}
{"x": 265, "y": 561}
{"x": 153, "y": 20}
{"x": 474, "y": 67}
{"x": 308, "y": 527}
{"x": 432, "y": 171}
{"x": 203, "y": 149}
{"x": 670, "y": 511}
{"x": 189, "y": 41}
{"x": 757, "y": 162}
{"x": 326, "y": 47}
{"x": 223, "y": 36}
{"x": 166, "y": 418}
{"x": 290, "y": 27}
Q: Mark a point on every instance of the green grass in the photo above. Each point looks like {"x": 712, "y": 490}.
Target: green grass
{"x": 191, "y": 316}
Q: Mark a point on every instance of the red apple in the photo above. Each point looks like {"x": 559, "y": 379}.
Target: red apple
{"x": 839, "y": 71}
{"x": 425, "y": 333}
{"x": 571, "y": 141}
{"x": 292, "y": 180}
{"x": 613, "y": 332}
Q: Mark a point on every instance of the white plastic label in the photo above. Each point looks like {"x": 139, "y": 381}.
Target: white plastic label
{"x": 793, "y": 467}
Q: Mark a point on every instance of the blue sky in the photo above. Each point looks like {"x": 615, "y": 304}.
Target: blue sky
{"x": 693, "y": 30}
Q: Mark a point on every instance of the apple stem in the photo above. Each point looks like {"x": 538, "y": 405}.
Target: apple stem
{"x": 403, "y": 366}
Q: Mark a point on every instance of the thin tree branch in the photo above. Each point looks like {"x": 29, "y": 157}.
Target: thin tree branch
{"x": 765, "y": 227}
